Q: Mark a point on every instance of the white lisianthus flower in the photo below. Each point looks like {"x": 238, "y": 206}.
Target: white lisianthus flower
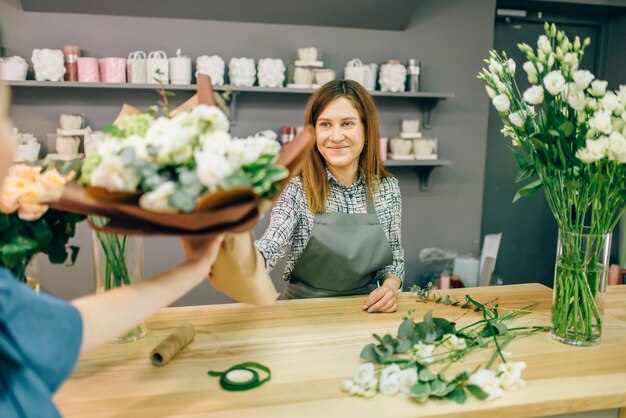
{"x": 592, "y": 104}
{"x": 531, "y": 71}
{"x": 621, "y": 93}
{"x": 137, "y": 144}
{"x": 582, "y": 117}
{"x": 610, "y": 102}
{"x": 173, "y": 142}
{"x": 554, "y": 82}
{"x": 502, "y": 103}
{"x": 598, "y": 88}
{"x": 108, "y": 147}
{"x": 218, "y": 141}
{"x": 488, "y": 382}
{"x": 248, "y": 150}
{"x": 114, "y": 176}
{"x": 364, "y": 374}
{"x": 490, "y": 92}
{"x": 601, "y": 122}
{"x": 501, "y": 87}
{"x": 212, "y": 116}
{"x": 582, "y": 78}
{"x": 347, "y": 385}
{"x": 511, "y": 66}
{"x": 212, "y": 168}
{"x": 543, "y": 43}
{"x": 617, "y": 148}
{"x": 495, "y": 67}
{"x": 575, "y": 97}
{"x": 510, "y": 374}
{"x": 550, "y": 60}
{"x": 156, "y": 200}
{"x": 570, "y": 60}
{"x": 390, "y": 380}
{"x": 454, "y": 343}
{"x": 540, "y": 67}
{"x": 595, "y": 150}
{"x": 518, "y": 118}
{"x": 408, "y": 377}
{"x": 534, "y": 95}
{"x": 189, "y": 123}
{"x": 617, "y": 125}
{"x": 423, "y": 353}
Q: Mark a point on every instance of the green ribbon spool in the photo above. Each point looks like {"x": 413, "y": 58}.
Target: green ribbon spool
{"x": 242, "y": 376}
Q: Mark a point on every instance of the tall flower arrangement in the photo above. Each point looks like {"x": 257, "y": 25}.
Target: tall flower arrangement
{"x": 568, "y": 136}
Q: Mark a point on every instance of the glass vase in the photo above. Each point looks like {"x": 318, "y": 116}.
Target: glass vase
{"x": 118, "y": 261}
{"x": 580, "y": 280}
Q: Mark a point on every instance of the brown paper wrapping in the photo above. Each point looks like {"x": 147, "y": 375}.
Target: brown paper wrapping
{"x": 170, "y": 346}
{"x": 239, "y": 272}
{"x": 222, "y": 211}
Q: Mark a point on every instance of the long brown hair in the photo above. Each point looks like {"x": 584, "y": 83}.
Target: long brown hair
{"x": 314, "y": 179}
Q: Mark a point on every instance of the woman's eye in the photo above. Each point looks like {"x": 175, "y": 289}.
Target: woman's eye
{"x": 348, "y": 124}
{"x": 324, "y": 124}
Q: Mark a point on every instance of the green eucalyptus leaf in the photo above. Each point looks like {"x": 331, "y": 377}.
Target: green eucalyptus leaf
{"x": 406, "y": 329}
{"x": 182, "y": 201}
{"x": 404, "y": 345}
{"x": 420, "y": 392}
{"x": 369, "y": 353}
{"x": 458, "y": 395}
{"x": 477, "y": 392}
{"x": 438, "y": 388}
{"x": 426, "y": 375}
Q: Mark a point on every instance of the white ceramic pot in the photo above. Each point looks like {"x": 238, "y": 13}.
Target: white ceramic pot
{"x": 71, "y": 121}
{"x": 355, "y": 71}
{"x": 307, "y": 54}
{"x": 302, "y": 76}
{"x": 13, "y": 68}
{"x": 401, "y": 146}
{"x": 410, "y": 126}
{"x": 324, "y": 75}
{"x": 67, "y": 145}
{"x": 27, "y": 152}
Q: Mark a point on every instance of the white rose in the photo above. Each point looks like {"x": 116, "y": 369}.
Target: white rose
{"x": 598, "y": 88}
{"x": 408, "y": 377}
{"x": 617, "y": 148}
{"x": 595, "y": 150}
{"x": 531, "y": 71}
{"x": 453, "y": 343}
{"x": 543, "y": 43}
{"x": 138, "y": 145}
{"x": 213, "y": 116}
{"x": 601, "y": 122}
{"x": 212, "y": 168}
{"x": 575, "y": 98}
{"x": 364, "y": 373}
{"x": 583, "y": 78}
{"x": 610, "y": 102}
{"x": 501, "y": 103}
{"x": 114, "y": 176}
{"x": 518, "y": 118}
{"x": 156, "y": 200}
{"x": 390, "y": 380}
{"x": 554, "y": 82}
{"x": 534, "y": 95}
{"x": 423, "y": 352}
{"x": 488, "y": 382}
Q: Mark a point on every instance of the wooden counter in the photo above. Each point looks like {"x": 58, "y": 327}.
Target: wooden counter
{"x": 313, "y": 345}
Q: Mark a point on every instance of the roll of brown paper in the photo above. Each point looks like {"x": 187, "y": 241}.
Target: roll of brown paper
{"x": 169, "y": 347}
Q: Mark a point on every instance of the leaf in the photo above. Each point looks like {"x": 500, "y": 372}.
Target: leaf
{"x": 527, "y": 190}
{"x": 458, "y": 395}
{"x": 554, "y": 133}
{"x": 181, "y": 200}
{"x": 445, "y": 326}
{"x": 566, "y": 128}
{"x": 74, "y": 254}
{"x": 5, "y": 221}
{"x": 404, "y": 344}
{"x": 522, "y": 162}
{"x": 493, "y": 329}
{"x": 114, "y": 130}
{"x": 438, "y": 388}
{"x": 406, "y": 329}
{"x": 525, "y": 173}
{"x": 426, "y": 375}
{"x": 420, "y": 392}
{"x": 369, "y": 354}
{"x": 19, "y": 246}
{"x": 477, "y": 392}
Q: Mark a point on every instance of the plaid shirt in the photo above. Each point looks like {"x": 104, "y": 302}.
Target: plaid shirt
{"x": 292, "y": 222}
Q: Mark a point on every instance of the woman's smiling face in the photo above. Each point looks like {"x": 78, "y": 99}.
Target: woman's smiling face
{"x": 340, "y": 135}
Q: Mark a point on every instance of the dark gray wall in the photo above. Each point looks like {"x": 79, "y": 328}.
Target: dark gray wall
{"x": 450, "y": 37}
{"x": 616, "y": 66}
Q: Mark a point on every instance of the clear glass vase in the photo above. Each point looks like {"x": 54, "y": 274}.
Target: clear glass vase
{"x": 580, "y": 280}
{"x": 118, "y": 261}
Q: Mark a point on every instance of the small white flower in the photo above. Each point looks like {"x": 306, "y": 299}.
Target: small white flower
{"x": 215, "y": 119}
{"x": 511, "y": 66}
{"x": 454, "y": 343}
{"x": 501, "y": 103}
{"x": 173, "y": 141}
{"x": 534, "y": 95}
{"x": 621, "y": 93}
{"x": 364, "y": 373}
{"x": 390, "y": 380}
{"x": 601, "y": 122}
{"x": 156, "y": 200}
{"x": 531, "y": 71}
{"x": 510, "y": 375}
{"x": 543, "y": 43}
{"x": 347, "y": 385}
{"x": 595, "y": 150}
{"x": 517, "y": 118}
{"x": 617, "y": 148}
{"x": 610, "y": 102}
{"x": 583, "y": 78}
{"x": 408, "y": 377}
{"x": 490, "y": 92}
{"x": 570, "y": 60}
{"x": 575, "y": 98}
{"x": 138, "y": 145}
{"x": 551, "y": 60}
{"x": 114, "y": 176}
{"x": 423, "y": 353}
{"x": 598, "y": 88}
{"x": 369, "y": 393}
{"x": 495, "y": 67}
{"x": 212, "y": 168}
{"x": 554, "y": 82}
{"x": 488, "y": 382}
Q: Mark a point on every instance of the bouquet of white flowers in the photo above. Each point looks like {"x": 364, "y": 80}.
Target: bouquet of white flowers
{"x": 569, "y": 134}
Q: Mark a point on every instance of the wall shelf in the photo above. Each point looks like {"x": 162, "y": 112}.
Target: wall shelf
{"x": 422, "y": 167}
{"x": 427, "y": 100}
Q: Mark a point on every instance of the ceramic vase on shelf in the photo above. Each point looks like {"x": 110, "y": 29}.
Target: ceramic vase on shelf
{"x": 118, "y": 262}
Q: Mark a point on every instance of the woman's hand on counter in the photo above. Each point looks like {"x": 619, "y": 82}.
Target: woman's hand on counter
{"x": 383, "y": 299}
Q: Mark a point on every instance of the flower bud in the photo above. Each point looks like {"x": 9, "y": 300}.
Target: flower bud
{"x": 576, "y": 43}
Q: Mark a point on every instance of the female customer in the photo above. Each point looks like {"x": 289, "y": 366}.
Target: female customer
{"x": 339, "y": 220}
{"x": 41, "y": 336}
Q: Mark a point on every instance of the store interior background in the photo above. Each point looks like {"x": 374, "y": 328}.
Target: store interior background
{"x": 466, "y": 200}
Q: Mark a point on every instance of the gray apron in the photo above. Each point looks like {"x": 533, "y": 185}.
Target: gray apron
{"x": 342, "y": 256}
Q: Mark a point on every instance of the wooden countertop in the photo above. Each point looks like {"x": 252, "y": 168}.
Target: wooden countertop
{"x": 313, "y": 345}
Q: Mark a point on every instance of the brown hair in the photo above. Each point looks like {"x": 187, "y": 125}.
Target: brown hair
{"x": 314, "y": 179}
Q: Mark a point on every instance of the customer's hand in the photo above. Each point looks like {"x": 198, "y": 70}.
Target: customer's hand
{"x": 202, "y": 250}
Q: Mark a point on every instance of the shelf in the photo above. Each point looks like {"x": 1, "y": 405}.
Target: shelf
{"x": 423, "y": 168}
{"x": 428, "y": 100}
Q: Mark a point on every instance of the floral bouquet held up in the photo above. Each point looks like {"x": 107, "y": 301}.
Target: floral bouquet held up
{"x": 568, "y": 134}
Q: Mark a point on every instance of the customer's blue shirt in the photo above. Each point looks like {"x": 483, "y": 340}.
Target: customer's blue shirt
{"x": 40, "y": 338}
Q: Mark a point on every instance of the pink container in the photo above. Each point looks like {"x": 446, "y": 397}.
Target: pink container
{"x": 113, "y": 70}
{"x": 88, "y": 70}
{"x": 383, "y": 148}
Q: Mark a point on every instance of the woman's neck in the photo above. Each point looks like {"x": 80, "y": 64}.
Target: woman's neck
{"x": 346, "y": 175}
